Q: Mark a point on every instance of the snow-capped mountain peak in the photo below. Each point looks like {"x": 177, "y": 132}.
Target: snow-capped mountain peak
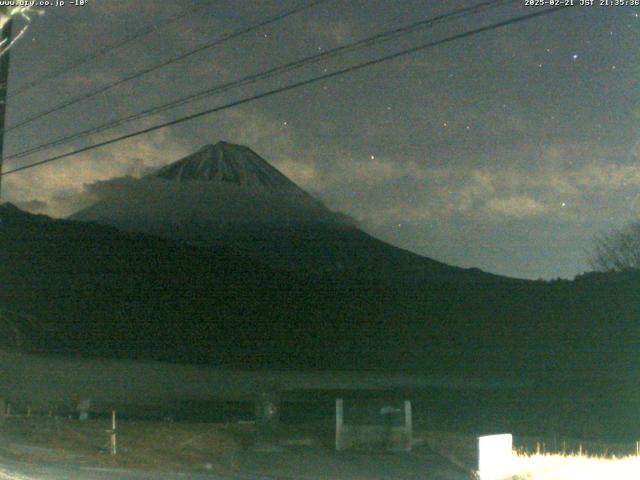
{"x": 230, "y": 164}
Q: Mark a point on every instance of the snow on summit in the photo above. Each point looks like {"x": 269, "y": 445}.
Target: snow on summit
{"x": 228, "y": 163}
{"x": 214, "y": 188}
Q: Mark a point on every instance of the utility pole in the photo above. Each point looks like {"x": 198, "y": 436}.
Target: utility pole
{"x": 4, "y": 79}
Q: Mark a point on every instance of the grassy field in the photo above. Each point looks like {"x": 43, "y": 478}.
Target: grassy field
{"x": 545, "y": 458}
{"x": 538, "y": 458}
{"x": 575, "y": 467}
{"x": 162, "y": 446}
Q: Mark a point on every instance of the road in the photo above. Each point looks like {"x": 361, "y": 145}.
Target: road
{"x": 302, "y": 464}
{"x": 318, "y": 464}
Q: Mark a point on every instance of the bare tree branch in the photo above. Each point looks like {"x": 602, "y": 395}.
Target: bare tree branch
{"x": 618, "y": 250}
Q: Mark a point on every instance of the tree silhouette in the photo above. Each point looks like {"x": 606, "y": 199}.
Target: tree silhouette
{"x": 618, "y": 250}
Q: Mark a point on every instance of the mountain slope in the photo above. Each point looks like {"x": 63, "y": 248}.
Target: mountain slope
{"x": 226, "y": 196}
{"x": 106, "y": 292}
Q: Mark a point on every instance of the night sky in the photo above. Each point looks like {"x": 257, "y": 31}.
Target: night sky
{"x": 507, "y": 151}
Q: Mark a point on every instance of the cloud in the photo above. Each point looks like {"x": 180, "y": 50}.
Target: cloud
{"x": 517, "y": 206}
{"x": 61, "y": 185}
{"x": 519, "y": 180}
{"x": 33, "y": 206}
{"x": 571, "y": 182}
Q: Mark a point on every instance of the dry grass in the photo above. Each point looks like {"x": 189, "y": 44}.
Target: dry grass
{"x": 575, "y": 467}
{"x": 566, "y": 459}
{"x": 165, "y": 446}
{"x": 610, "y": 462}
{"x": 570, "y": 446}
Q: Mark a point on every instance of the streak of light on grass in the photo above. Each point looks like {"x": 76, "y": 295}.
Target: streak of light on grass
{"x": 6, "y": 475}
{"x": 575, "y": 467}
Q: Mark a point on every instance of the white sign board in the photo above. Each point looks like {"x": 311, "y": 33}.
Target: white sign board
{"x": 495, "y": 456}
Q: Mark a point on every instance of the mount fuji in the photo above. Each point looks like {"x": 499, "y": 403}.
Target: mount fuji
{"x": 226, "y": 195}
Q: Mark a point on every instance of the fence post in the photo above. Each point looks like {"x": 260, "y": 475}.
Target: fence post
{"x": 408, "y": 425}
{"x": 339, "y": 424}
{"x": 113, "y": 438}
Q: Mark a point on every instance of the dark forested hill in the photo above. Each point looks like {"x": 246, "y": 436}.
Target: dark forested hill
{"x": 97, "y": 291}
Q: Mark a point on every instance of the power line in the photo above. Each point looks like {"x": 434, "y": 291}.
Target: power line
{"x": 385, "y": 36}
{"x": 163, "y": 64}
{"x": 114, "y": 46}
{"x": 294, "y": 86}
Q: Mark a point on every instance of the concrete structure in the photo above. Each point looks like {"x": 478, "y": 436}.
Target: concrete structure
{"x": 389, "y": 429}
{"x": 495, "y": 457}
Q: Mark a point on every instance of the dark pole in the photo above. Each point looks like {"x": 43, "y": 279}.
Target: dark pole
{"x": 4, "y": 82}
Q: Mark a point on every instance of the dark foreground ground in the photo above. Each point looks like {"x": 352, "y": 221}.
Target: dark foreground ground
{"x": 317, "y": 464}
{"x": 303, "y": 464}
{"x": 57, "y": 448}
{"x": 54, "y": 448}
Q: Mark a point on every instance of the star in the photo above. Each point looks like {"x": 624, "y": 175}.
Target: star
{"x": 373, "y": 157}
{"x": 445, "y": 124}
{"x": 574, "y": 56}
